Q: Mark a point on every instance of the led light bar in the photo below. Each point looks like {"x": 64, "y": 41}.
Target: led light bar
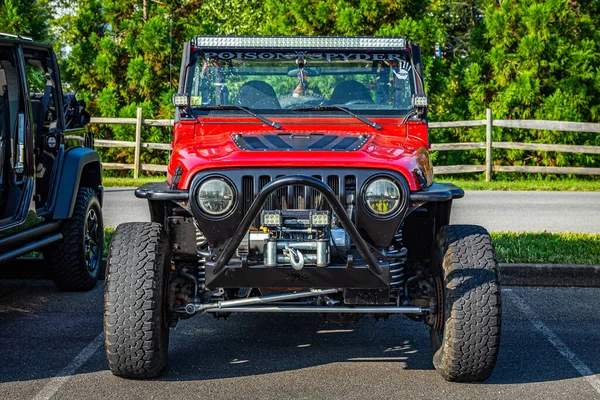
{"x": 301, "y": 42}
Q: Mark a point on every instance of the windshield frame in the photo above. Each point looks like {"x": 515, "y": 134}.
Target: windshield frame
{"x": 403, "y": 55}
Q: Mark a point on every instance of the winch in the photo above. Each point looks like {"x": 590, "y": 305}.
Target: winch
{"x": 295, "y": 238}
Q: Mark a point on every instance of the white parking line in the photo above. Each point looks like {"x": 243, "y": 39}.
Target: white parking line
{"x": 562, "y": 348}
{"x": 63, "y": 376}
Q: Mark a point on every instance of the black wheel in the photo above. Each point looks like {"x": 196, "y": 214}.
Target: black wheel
{"x": 136, "y": 331}
{"x": 467, "y": 339}
{"x": 76, "y": 260}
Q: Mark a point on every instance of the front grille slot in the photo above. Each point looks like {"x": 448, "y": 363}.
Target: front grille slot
{"x": 314, "y": 199}
{"x": 247, "y": 192}
{"x": 349, "y": 188}
{"x": 333, "y": 181}
{"x": 263, "y": 180}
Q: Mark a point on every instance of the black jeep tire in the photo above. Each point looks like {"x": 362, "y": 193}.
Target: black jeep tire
{"x": 466, "y": 348}
{"x": 136, "y": 332}
{"x": 76, "y": 260}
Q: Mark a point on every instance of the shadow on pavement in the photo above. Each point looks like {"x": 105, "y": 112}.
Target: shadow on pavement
{"x": 260, "y": 344}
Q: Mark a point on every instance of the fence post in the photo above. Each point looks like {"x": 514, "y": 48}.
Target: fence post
{"x": 138, "y": 143}
{"x": 488, "y": 144}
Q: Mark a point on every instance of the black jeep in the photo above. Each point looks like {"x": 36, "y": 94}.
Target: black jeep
{"x": 50, "y": 189}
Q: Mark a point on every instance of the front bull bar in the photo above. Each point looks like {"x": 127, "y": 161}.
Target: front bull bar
{"x": 366, "y": 252}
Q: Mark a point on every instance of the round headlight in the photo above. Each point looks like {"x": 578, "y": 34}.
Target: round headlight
{"x": 215, "y": 196}
{"x": 382, "y": 197}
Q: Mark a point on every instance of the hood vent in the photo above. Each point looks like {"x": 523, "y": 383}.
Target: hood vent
{"x": 300, "y": 142}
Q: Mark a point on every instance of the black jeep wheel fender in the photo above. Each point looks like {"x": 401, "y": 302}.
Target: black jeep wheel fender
{"x": 81, "y": 167}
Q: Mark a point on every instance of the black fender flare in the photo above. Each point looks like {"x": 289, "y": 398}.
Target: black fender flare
{"x": 81, "y": 167}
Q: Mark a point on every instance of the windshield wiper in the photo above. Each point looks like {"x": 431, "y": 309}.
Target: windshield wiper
{"x": 344, "y": 109}
{"x": 244, "y": 109}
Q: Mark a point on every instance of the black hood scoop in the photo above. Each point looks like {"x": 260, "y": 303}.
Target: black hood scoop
{"x": 300, "y": 142}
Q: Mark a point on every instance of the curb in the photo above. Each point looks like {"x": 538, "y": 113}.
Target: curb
{"x": 556, "y": 275}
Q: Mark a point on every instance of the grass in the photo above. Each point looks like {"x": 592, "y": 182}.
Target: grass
{"x": 130, "y": 182}
{"x": 537, "y": 248}
{"x": 569, "y": 185}
{"x": 108, "y": 234}
{"x": 547, "y": 248}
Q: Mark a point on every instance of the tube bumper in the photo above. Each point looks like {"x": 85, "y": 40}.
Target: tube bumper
{"x": 222, "y": 269}
{"x": 220, "y": 274}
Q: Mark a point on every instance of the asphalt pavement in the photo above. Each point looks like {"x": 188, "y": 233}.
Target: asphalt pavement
{"x": 494, "y": 210}
{"x": 51, "y": 347}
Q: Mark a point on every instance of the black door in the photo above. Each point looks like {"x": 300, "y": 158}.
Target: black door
{"x": 45, "y": 95}
{"x": 16, "y": 169}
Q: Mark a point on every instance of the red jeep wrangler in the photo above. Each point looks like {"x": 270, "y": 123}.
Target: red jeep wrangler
{"x": 300, "y": 182}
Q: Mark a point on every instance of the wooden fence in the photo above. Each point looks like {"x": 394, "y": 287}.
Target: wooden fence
{"x": 139, "y": 121}
{"x": 488, "y": 168}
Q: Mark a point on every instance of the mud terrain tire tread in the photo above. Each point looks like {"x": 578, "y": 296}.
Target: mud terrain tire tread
{"x": 136, "y": 336}
{"x": 468, "y": 349}
{"x": 67, "y": 258}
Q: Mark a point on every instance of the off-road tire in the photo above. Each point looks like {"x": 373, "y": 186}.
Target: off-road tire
{"x": 67, "y": 258}
{"x": 136, "y": 334}
{"x": 466, "y": 348}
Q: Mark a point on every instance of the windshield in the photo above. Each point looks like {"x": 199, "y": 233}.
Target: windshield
{"x": 366, "y": 83}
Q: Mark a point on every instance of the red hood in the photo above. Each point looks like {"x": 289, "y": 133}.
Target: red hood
{"x": 402, "y": 148}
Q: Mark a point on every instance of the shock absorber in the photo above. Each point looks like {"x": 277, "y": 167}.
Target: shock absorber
{"x": 397, "y": 256}
{"x": 202, "y": 253}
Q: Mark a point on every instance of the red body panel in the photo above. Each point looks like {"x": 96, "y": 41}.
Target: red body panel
{"x": 207, "y": 144}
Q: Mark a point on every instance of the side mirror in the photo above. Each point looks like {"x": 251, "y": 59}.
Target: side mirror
{"x": 84, "y": 116}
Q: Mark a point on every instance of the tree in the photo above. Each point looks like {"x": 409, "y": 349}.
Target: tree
{"x": 123, "y": 56}
{"x": 27, "y": 18}
{"x": 525, "y": 59}
{"x": 541, "y": 63}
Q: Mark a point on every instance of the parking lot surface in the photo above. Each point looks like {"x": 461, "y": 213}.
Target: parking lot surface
{"x": 51, "y": 347}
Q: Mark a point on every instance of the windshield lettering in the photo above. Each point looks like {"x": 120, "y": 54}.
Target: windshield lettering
{"x": 253, "y": 55}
